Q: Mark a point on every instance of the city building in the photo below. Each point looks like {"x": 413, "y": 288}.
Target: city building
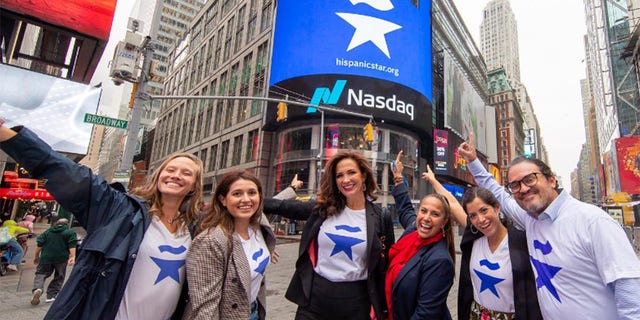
{"x": 499, "y": 39}
{"x": 509, "y": 119}
{"x": 228, "y": 52}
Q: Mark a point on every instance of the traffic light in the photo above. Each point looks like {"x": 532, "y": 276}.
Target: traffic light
{"x": 368, "y": 132}
{"x": 282, "y": 112}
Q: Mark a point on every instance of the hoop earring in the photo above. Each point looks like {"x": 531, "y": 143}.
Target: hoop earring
{"x": 364, "y": 187}
{"x": 444, "y": 234}
{"x": 472, "y": 228}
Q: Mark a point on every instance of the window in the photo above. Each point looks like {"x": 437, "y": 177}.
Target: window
{"x": 297, "y": 140}
{"x": 213, "y": 159}
{"x": 224, "y": 154}
{"x": 252, "y": 145}
{"x": 237, "y": 150}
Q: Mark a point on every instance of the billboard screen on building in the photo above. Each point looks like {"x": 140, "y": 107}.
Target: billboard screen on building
{"x": 88, "y": 17}
{"x": 53, "y": 108}
{"x": 365, "y": 56}
{"x": 464, "y": 107}
{"x": 628, "y": 149}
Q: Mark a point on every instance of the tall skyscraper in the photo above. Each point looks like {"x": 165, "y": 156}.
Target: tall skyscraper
{"x": 499, "y": 39}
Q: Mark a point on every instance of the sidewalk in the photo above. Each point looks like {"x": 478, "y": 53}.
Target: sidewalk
{"x": 15, "y": 286}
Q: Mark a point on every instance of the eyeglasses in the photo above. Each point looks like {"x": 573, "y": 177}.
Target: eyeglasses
{"x": 529, "y": 180}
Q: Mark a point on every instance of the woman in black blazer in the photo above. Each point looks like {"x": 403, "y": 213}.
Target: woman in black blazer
{"x": 344, "y": 245}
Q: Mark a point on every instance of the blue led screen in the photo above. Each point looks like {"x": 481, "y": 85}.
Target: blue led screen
{"x": 380, "y": 39}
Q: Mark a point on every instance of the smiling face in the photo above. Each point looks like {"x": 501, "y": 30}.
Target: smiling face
{"x": 484, "y": 217}
{"x": 178, "y": 178}
{"x": 535, "y": 199}
{"x": 243, "y": 199}
{"x": 431, "y": 217}
{"x": 349, "y": 179}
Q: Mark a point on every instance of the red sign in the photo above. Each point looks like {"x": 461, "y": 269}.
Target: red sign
{"x": 90, "y": 17}
{"x": 628, "y": 149}
{"x": 25, "y": 194}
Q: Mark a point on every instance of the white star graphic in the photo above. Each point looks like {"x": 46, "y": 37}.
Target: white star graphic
{"x": 382, "y": 5}
{"x": 369, "y": 29}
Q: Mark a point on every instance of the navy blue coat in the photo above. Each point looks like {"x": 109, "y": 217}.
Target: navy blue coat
{"x": 115, "y": 223}
{"x": 420, "y": 291}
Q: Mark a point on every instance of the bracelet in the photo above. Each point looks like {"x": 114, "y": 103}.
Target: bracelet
{"x": 398, "y": 180}
{"x": 293, "y": 187}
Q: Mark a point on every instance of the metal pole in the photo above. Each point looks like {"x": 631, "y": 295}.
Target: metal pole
{"x": 126, "y": 163}
{"x": 321, "y": 153}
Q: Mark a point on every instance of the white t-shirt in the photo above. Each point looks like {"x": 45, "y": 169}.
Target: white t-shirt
{"x": 342, "y": 247}
{"x": 258, "y": 256}
{"x": 492, "y": 276}
{"x": 157, "y": 276}
{"x": 575, "y": 249}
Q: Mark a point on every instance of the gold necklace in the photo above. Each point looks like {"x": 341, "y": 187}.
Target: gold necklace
{"x": 170, "y": 220}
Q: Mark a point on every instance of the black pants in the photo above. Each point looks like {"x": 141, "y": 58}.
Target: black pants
{"x": 336, "y": 300}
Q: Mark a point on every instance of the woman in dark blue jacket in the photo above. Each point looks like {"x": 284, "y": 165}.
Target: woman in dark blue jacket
{"x": 132, "y": 260}
{"x": 421, "y": 268}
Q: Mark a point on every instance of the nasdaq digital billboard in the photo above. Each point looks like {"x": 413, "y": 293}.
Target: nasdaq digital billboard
{"x": 366, "y": 56}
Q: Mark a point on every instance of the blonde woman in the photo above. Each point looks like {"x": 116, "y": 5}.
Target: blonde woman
{"x": 131, "y": 264}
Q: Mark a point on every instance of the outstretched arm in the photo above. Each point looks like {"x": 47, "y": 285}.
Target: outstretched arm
{"x": 456, "y": 209}
{"x": 5, "y": 133}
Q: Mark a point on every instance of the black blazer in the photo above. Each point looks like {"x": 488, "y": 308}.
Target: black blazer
{"x": 380, "y": 237}
{"x": 524, "y": 284}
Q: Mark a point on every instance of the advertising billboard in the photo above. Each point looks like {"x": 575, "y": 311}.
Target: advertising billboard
{"x": 53, "y": 108}
{"x": 464, "y": 108}
{"x": 89, "y": 17}
{"x": 446, "y": 160}
{"x": 365, "y": 56}
{"x": 628, "y": 149}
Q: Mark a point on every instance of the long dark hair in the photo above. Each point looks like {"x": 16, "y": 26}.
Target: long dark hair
{"x": 329, "y": 199}
{"x": 217, "y": 214}
{"x": 448, "y": 228}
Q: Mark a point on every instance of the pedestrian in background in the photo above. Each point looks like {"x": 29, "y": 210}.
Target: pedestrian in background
{"x": 27, "y": 222}
{"x": 496, "y": 280}
{"x": 584, "y": 264}
{"x": 422, "y": 262}
{"x": 56, "y": 248}
{"x": 17, "y": 252}
{"x": 344, "y": 245}
{"x": 131, "y": 264}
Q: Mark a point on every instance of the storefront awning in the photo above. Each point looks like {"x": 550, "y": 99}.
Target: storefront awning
{"x": 25, "y": 194}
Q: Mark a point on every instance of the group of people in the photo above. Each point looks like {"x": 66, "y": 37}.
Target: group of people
{"x": 154, "y": 254}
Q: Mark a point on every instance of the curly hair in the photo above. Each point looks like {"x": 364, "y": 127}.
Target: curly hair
{"x": 219, "y": 215}
{"x": 190, "y": 206}
{"x": 329, "y": 200}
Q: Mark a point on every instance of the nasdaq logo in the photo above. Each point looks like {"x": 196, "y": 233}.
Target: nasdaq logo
{"x": 327, "y": 96}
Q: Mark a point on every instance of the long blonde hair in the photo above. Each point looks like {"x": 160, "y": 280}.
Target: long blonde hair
{"x": 190, "y": 206}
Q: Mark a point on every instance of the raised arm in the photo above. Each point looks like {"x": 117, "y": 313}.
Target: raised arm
{"x": 483, "y": 178}
{"x": 404, "y": 207}
{"x": 456, "y": 208}
{"x": 87, "y": 195}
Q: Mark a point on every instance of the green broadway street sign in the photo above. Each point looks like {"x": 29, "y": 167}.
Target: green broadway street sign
{"x": 105, "y": 121}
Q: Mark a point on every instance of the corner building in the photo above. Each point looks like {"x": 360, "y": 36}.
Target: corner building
{"x": 228, "y": 52}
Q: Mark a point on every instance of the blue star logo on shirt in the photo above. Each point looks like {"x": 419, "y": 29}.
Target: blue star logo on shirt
{"x": 344, "y": 243}
{"x": 487, "y": 281}
{"x": 545, "y": 271}
{"x": 169, "y": 268}
{"x": 262, "y": 266}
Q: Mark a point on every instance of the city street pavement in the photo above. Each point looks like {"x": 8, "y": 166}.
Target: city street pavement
{"x": 15, "y": 287}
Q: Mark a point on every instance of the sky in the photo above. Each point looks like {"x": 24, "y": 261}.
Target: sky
{"x": 551, "y": 66}
{"x": 550, "y": 36}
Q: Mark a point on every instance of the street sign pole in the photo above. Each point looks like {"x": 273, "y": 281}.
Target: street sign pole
{"x": 126, "y": 163}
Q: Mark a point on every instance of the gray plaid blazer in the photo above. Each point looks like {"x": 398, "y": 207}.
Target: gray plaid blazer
{"x": 212, "y": 295}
